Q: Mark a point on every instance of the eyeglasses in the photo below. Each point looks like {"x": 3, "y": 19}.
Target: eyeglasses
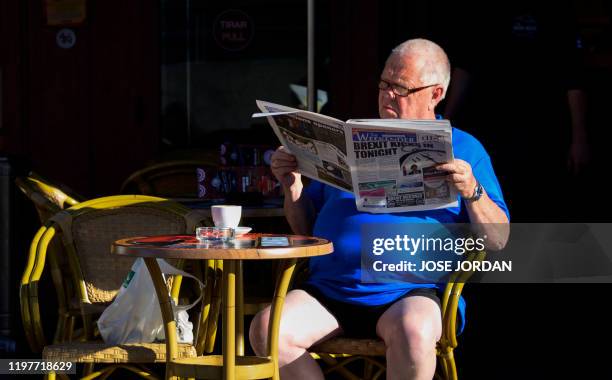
{"x": 398, "y": 90}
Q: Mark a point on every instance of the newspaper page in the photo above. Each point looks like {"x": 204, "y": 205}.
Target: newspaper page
{"x": 394, "y": 164}
{"x": 317, "y": 141}
{"x": 389, "y": 164}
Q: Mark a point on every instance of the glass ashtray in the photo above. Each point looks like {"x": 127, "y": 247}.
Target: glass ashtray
{"x": 215, "y": 234}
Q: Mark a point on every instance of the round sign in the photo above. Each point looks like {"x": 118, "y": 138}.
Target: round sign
{"x": 65, "y": 38}
{"x": 233, "y": 30}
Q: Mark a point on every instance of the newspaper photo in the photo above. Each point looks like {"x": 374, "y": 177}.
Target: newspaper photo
{"x": 317, "y": 141}
{"x": 389, "y": 164}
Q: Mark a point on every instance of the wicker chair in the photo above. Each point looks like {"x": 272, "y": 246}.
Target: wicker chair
{"x": 338, "y": 352}
{"x": 50, "y": 198}
{"x": 87, "y": 231}
{"x": 174, "y": 179}
{"x": 131, "y": 356}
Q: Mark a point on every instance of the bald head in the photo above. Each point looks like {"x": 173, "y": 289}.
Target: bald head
{"x": 429, "y": 59}
{"x": 414, "y": 81}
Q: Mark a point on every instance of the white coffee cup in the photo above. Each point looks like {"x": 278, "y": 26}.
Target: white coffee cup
{"x": 226, "y": 215}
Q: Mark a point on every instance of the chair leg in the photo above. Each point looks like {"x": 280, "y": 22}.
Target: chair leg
{"x": 338, "y": 367}
{"x": 70, "y": 328}
{"x": 53, "y": 376}
{"x": 88, "y": 330}
{"x": 138, "y": 370}
{"x": 374, "y": 364}
{"x": 379, "y": 373}
{"x": 88, "y": 368}
{"x": 451, "y": 366}
{"x": 102, "y": 374}
{"x": 367, "y": 370}
{"x": 96, "y": 374}
{"x": 107, "y": 373}
{"x": 447, "y": 368}
{"x": 58, "y": 337}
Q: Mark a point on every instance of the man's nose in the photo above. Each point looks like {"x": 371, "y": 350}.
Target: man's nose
{"x": 388, "y": 94}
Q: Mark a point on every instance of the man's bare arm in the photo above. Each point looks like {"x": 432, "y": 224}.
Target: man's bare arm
{"x": 489, "y": 220}
{"x": 299, "y": 210}
{"x": 486, "y": 217}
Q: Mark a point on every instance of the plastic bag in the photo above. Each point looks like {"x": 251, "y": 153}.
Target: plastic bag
{"x": 135, "y": 315}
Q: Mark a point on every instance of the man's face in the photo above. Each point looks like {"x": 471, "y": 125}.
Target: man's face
{"x": 402, "y": 71}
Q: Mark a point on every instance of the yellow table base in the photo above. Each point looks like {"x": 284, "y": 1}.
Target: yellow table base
{"x": 211, "y": 367}
{"x": 231, "y": 365}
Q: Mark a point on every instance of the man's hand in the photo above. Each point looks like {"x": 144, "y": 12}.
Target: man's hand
{"x": 460, "y": 176}
{"x": 284, "y": 168}
{"x": 487, "y": 218}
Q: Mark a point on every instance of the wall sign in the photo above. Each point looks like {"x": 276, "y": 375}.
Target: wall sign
{"x": 65, "y": 12}
{"x": 233, "y": 30}
{"x": 65, "y": 38}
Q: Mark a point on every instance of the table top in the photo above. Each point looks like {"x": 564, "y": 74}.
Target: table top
{"x": 245, "y": 247}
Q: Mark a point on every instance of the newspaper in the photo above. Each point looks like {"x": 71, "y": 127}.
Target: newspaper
{"x": 389, "y": 164}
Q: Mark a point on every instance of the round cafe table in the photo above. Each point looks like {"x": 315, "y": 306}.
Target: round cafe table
{"x": 232, "y": 364}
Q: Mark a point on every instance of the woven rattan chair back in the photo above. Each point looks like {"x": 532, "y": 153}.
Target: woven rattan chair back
{"x": 173, "y": 179}
{"x": 89, "y": 229}
{"x": 93, "y": 234}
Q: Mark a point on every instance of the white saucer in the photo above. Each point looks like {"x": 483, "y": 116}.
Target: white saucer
{"x": 242, "y": 230}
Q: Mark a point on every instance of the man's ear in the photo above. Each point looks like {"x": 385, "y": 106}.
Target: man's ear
{"x": 436, "y": 96}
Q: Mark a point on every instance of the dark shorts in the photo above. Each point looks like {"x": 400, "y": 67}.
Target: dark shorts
{"x": 360, "y": 321}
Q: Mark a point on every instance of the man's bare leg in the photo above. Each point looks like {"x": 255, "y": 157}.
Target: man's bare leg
{"x": 410, "y": 328}
{"x": 304, "y": 322}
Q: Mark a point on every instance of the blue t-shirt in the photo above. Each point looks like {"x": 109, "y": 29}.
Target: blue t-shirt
{"x": 338, "y": 275}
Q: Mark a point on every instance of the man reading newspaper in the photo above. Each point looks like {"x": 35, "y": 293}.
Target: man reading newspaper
{"x": 333, "y": 301}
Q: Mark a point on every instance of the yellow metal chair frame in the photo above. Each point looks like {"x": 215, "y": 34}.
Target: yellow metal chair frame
{"x": 39, "y": 253}
{"x": 49, "y": 199}
{"x": 337, "y": 353}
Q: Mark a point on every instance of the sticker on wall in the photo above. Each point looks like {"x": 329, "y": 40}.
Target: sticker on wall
{"x": 65, "y": 38}
{"x": 65, "y": 12}
{"x": 233, "y": 30}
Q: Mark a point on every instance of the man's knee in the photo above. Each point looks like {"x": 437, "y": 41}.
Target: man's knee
{"x": 258, "y": 332}
{"x": 411, "y": 327}
{"x": 416, "y": 337}
{"x": 293, "y": 335}
{"x": 304, "y": 321}
{"x": 258, "y": 336}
